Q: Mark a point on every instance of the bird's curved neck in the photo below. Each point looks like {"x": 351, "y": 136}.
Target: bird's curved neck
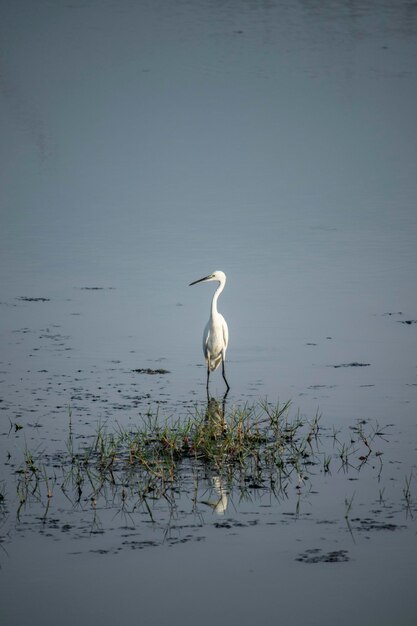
{"x": 216, "y": 294}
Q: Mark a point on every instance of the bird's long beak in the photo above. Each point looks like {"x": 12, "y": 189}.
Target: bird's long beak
{"x": 201, "y": 280}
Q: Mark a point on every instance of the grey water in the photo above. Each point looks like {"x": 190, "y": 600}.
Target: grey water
{"x": 143, "y": 146}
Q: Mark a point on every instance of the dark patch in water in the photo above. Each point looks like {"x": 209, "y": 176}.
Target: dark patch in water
{"x": 65, "y": 528}
{"x": 100, "y": 551}
{"x": 175, "y": 541}
{"x": 353, "y": 364}
{"x": 140, "y": 545}
{"x": 232, "y": 523}
{"x": 368, "y": 524}
{"x": 27, "y": 299}
{"x": 315, "y": 555}
{"x": 321, "y": 387}
{"x": 409, "y": 322}
{"x": 150, "y": 371}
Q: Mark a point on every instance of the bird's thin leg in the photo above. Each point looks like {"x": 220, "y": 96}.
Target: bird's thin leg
{"x": 224, "y": 376}
{"x": 208, "y": 376}
{"x": 224, "y": 408}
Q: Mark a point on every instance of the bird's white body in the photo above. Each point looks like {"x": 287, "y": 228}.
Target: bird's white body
{"x": 216, "y": 333}
{"x": 215, "y": 340}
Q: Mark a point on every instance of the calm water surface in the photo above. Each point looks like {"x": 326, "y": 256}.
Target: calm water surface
{"x": 143, "y": 146}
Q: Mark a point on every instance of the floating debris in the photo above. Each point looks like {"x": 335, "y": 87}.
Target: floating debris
{"x": 354, "y": 364}
{"x": 321, "y": 387}
{"x": 148, "y": 370}
{"x": 369, "y": 524}
{"x": 28, "y": 299}
{"x": 409, "y": 322}
{"x": 315, "y": 556}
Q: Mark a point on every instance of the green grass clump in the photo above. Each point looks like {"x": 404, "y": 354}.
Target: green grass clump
{"x": 257, "y": 446}
{"x": 209, "y": 438}
{"x": 260, "y": 443}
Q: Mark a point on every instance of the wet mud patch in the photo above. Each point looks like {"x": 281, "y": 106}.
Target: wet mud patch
{"x": 315, "y": 555}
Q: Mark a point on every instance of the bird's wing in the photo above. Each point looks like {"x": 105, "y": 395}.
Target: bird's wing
{"x": 206, "y": 336}
{"x": 225, "y": 333}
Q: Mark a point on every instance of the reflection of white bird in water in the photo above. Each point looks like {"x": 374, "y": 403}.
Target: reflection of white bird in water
{"x": 219, "y": 505}
{"x": 216, "y": 333}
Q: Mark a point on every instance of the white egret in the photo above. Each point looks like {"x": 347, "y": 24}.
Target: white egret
{"x": 216, "y": 333}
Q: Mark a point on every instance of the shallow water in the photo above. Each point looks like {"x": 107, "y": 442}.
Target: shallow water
{"x": 143, "y": 146}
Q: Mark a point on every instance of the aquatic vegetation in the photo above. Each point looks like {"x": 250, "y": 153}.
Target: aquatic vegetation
{"x": 243, "y": 450}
